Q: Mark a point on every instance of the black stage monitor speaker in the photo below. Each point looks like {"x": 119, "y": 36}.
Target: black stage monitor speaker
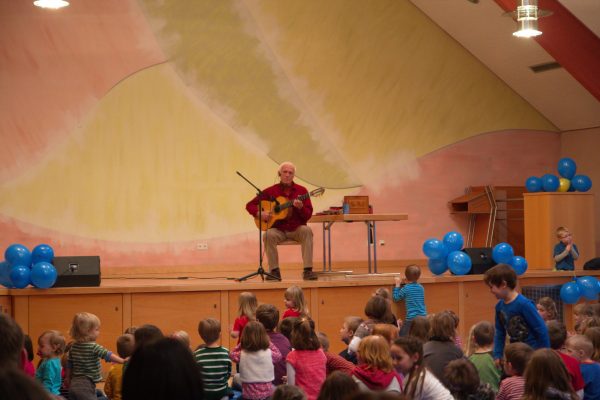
{"x": 77, "y": 271}
{"x": 481, "y": 259}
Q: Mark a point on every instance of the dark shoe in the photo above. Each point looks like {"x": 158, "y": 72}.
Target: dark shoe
{"x": 274, "y": 272}
{"x": 309, "y": 275}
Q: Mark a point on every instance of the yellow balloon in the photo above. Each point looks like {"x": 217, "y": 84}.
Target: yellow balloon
{"x": 564, "y": 185}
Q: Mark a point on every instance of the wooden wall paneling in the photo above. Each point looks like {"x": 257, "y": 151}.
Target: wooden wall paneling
{"x": 20, "y": 312}
{"x": 478, "y": 305}
{"x": 6, "y": 304}
{"x": 175, "y": 311}
{"x": 57, "y": 312}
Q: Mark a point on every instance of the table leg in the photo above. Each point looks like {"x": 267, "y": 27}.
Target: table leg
{"x": 324, "y": 239}
{"x": 374, "y": 247}
{"x": 369, "y": 243}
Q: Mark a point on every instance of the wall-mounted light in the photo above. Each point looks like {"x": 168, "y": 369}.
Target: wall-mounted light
{"x": 54, "y": 4}
{"x": 527, "y": 15}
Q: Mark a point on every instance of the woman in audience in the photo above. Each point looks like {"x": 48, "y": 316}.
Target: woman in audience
{"x": 163, "y": 369}
{"x": 440, "y": 349}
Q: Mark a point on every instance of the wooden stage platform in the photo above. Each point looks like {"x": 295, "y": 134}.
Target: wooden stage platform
{"x": 179, "y": 304}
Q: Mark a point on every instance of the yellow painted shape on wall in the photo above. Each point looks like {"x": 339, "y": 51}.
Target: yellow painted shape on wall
{"x": 151, "y": 164}
{"x": 385, "y": 79}
{"x": 216, "y": 48}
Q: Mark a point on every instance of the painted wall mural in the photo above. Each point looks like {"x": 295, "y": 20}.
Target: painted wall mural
{"x": 123, "y": 123}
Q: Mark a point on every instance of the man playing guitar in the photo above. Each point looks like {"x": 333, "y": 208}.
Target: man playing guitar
{"x": 293, "y": 226}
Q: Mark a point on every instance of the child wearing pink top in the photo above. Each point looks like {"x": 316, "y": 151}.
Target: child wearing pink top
{"x": 306, "y": 364}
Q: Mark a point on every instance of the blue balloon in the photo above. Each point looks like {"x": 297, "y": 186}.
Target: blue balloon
{"x": 581, "y": 183}
{"x": 567, "y": 167}
{"x": 550, "y": 183}
{"x": 43, "y": 275}
{"x": 42, "y": 252}
{"x": 569, "y": 292}
{"x": 434, "y": 248}
{"x": 453, "y": 241}
{"x": 17, "y": 254}
{"x": 437, "y": 266}
{"x": 519, "y": 264}
{"x": 533, "y": 184}
{"x": 20, "y": 276}
{"x": 5, "y": 275}
{"x": 588, "y": 287}
{"x": 503, "y": 253}
{"x": 459, "y": 263}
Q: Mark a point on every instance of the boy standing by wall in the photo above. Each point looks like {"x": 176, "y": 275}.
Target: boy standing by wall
{"x": 565, "y": 251}
{"x": 516, "y": 315}
{"x": 413, "y": 294}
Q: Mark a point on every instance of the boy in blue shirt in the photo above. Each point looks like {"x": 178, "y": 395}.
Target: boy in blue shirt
{"x": 413, "y": 295}
{"x": 516, "y": 315}
{"x": 565, "y": 251}
{"x": 581, "y": 348}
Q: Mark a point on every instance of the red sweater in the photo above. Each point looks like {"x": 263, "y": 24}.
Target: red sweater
{"x": 296, "y": 217}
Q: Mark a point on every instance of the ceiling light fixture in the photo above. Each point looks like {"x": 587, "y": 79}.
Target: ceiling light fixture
{"x": 54, "y": 4}
{"x": 527, "y": 14}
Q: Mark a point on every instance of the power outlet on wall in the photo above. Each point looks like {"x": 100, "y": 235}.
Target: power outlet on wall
{"x": 202, "y": 246}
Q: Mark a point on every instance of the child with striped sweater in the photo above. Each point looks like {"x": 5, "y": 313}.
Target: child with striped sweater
{"x": 213, "y": 360}
{"x": 413, "y": 294}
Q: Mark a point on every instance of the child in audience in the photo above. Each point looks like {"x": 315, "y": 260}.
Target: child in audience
{"x": 84, "y": 369}
{"x": 419, "y": 328}
{"x": 388, "y": 331}
{"x": 516, "y": 315}
{"x": 565, "y": 251}
{"x": 306, "y": 363}
{"x": 147, "y": 334}
{"x": 581, "y": 312}
{"x": 483, "y": 340}
{"x": 183, "y": 337}
{"x": 28, "y": 366}
{"x": 419, "y": 383}
{"x": 413, "y": 295}
{"x": 349, "y": 326}
{"x": 457, "y": 339}
{"x": 213, "y": 360}
{"x": 593, "y": 334}
{"x": 375, "y": 371}
{"x": 287, "y": 392}
{"x": 387, "y": 295}
{"x": 464, "y": 381}
{"x": 335, "y": 362}
{"x": 558, "y": 336}
{"x": 162, "y": 369}
{"x": 256, "y": 356}
{"x": 440, "y": 349}
{"x": 377, "y": 311}
{"x": 286, "y": 326}
{"x": 546, "y": 378}
{"x": 268, "y": 315}
{"x": 246, "y": 312}
{"x": 51, "y": 345}
{"x": 295, "y": 305}
{"x": 581, "y": 348}
{"x": 516, "y": 357}
{"x": 114, "y": 381}
{"x": 547, "y": 309}
{"x": 338, "y": 386}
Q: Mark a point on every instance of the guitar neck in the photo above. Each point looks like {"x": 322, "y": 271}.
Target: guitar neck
{"x": 289, "y": 203}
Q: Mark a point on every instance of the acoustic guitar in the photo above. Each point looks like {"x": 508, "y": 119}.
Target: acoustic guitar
{"x": 280, "y": 208}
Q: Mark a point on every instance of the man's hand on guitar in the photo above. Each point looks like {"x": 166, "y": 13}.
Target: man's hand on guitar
{"x": 266, "y": 216}
{"x": 298, "y": 204}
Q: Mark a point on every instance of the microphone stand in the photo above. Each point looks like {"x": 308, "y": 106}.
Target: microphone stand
{"x": 261, "y": 271}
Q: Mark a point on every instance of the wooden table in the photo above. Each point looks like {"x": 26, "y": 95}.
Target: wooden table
{"x": 370, "y": 220}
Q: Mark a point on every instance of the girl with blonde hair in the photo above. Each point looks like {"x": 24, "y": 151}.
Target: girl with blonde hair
{"x": 246, "y": 313}
{"x": 295, "y": 305}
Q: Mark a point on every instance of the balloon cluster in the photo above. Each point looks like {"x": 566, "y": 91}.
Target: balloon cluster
{"x": 446, "y": 254}
{"x": 568, "y": 181}
{"x": 503, "y": 253}
{"x": 22, "y": 267}
{"x": 586, "y": 286}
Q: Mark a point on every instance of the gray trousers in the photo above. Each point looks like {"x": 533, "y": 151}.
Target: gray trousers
{"x": 303, "y": 235}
